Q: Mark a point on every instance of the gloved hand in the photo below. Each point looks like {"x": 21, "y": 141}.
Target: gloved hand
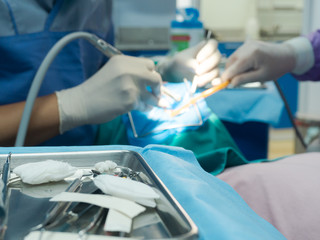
{"x": 198, "y": 63}
{"x": 259, "y": 61}
{"x": 118, "y": 87}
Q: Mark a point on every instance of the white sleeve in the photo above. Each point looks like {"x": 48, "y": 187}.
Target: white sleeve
{"x": 304, "y": 54}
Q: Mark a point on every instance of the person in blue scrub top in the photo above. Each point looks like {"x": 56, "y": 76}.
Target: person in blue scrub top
{"x": 81, "y": 88}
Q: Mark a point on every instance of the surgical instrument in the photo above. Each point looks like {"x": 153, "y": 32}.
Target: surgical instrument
{"x": 59, "y": 211}
{"x": 111, "y": 51}
{"x": 170, "y": 94}
{"x": 95, "y": 222}
{"x": 202, "y": 95}
{"x": 122, "y": 171}
{"x": 58, "y": 208}
{"x": 6, "y": 177}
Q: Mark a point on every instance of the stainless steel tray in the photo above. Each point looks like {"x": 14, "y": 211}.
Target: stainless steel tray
{"x": 27, "y": 204}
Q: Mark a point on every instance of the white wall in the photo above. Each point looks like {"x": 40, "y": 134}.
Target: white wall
{"x": 143, "y": 24}
{"x": 278, "y": 19}
{"x": 143, "y": 13}
{"x": 225, "y": 16}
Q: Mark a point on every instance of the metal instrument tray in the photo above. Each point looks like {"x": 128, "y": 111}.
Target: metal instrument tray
{"x": 28, "y": 204}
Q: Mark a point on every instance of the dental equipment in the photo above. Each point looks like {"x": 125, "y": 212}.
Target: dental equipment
{"x": 202, "y": 95}
{"x": 111, "y": 51}
{"x": 54, "y": 214}
{"x": 5, "y": 180}
{"x": 94, "y": 223}
{"x": 170, "y": 94}
{"x": 72, "y": 217}
{"x": 6, "y": 177}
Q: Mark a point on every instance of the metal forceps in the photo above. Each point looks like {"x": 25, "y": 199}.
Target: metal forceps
{"x": 52, "y": 216}
{"x": 94, "y": 223}
{"x": 6, "y": 177}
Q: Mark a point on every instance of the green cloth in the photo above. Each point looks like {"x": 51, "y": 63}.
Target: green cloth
{"x": 112, "y": 133}
{"x": 211, "y": 143}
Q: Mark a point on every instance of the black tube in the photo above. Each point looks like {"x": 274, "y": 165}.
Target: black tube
{"x": 291, "y": 117}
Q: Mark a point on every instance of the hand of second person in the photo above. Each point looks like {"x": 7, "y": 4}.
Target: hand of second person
{"x": 259, "y": 61}
{"x": 198, "y": 63}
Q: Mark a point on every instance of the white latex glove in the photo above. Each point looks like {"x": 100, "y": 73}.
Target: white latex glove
{"x": 117, "y": 88}
{"x": 198, "y": 63}
{"x": 259, "y": 61}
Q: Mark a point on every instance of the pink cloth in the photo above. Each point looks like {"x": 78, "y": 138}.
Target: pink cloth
{"x": 286, "y": 193}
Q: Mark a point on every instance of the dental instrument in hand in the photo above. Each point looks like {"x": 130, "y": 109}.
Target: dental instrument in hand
{"x": 170, "y": 94}
{"x": 202, "y": 95}
{"x": 111, "y": 51}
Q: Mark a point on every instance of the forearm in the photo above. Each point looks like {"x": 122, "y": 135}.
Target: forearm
{"x": 43, "y": 125}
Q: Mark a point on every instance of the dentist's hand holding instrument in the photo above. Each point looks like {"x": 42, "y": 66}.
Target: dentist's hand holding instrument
{"x": 198, "y": 63}
{"x": 262, "y": 61}
{"x": 117, "y": 88}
